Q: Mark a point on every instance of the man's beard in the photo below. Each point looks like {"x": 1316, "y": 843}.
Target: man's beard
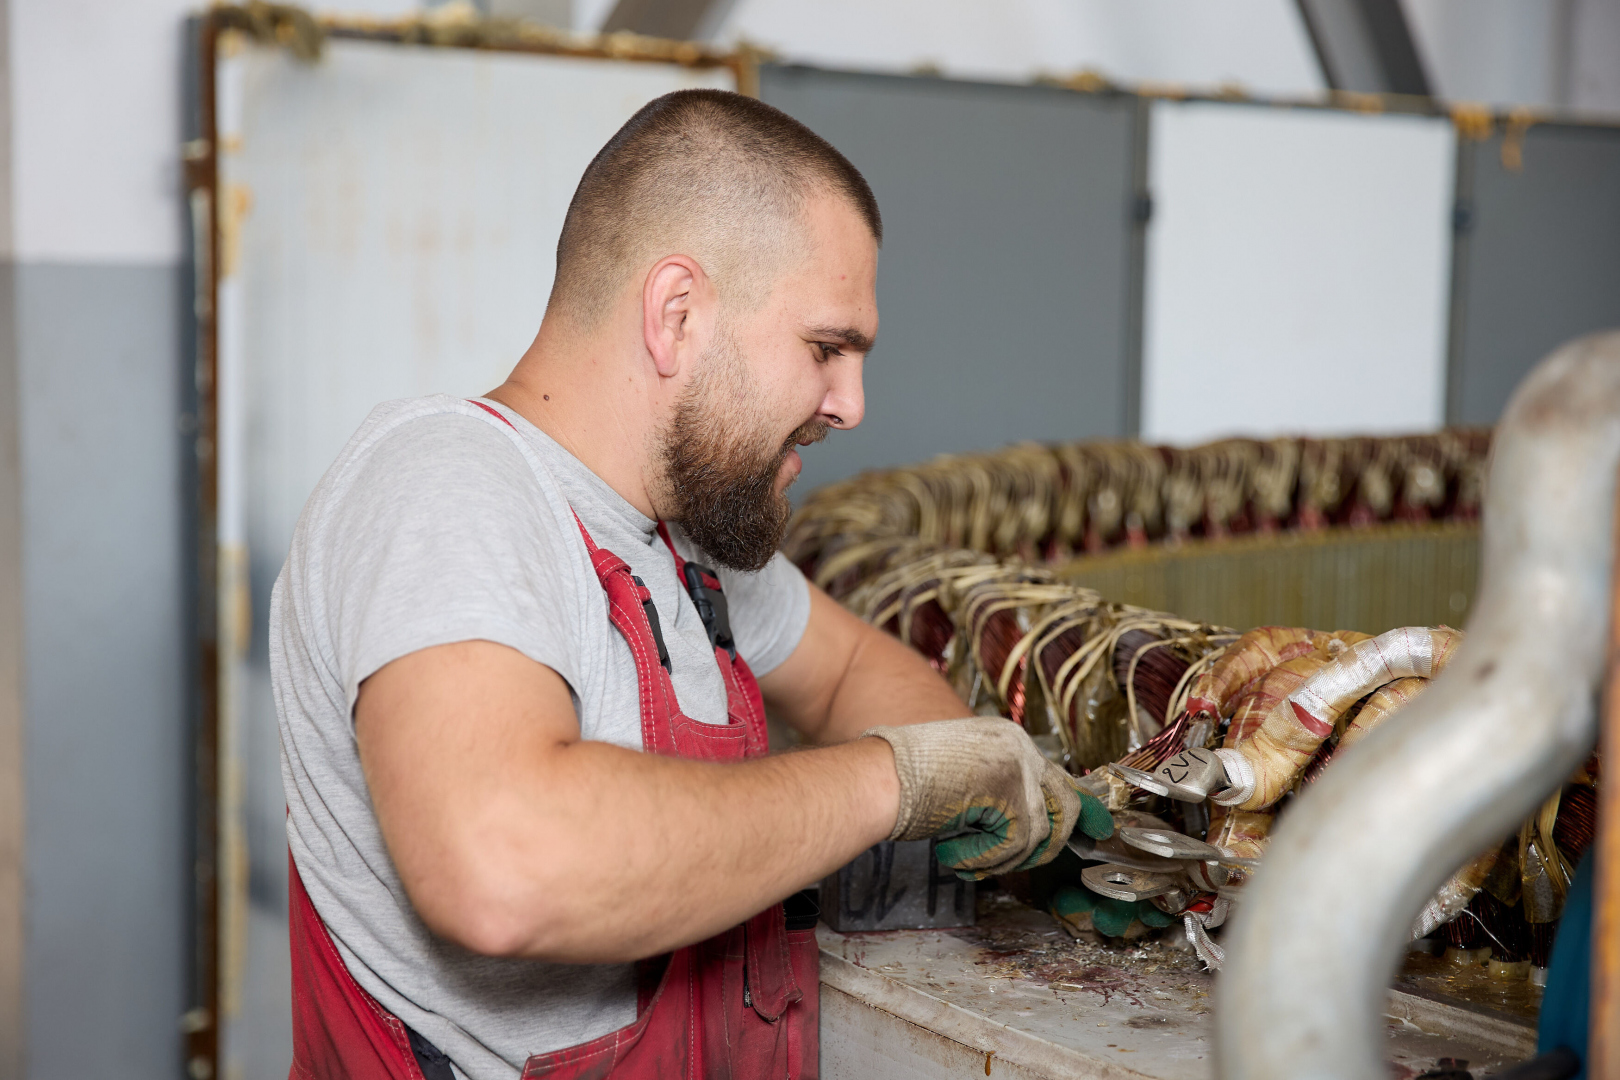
{"x": 720, "y": 471}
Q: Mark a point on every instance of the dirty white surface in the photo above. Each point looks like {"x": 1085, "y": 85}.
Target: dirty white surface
{"x": 1018, "y": 996}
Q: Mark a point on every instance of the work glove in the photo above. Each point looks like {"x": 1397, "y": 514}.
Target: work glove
{"x": 1108, "y": 916}
{"x": 985, "y": 789}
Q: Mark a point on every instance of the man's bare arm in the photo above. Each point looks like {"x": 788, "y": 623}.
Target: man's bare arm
{"x": 846, "y": 676}
{"x": 514, "y": 837}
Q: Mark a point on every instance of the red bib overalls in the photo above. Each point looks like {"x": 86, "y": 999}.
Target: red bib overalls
{"x": 742, "y": 1005}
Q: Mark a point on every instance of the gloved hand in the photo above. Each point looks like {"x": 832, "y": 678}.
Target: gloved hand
{"x": 984, "y": 786}
{"x": 1108, "y": 916}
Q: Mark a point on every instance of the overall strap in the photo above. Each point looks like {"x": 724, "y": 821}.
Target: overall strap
{"x": 744, "y": 704}
{"x": 496, "y": 413}
{"x": 606, "y": 563}
{"x": 706, "y": 1025}
{"x": 703, "y": 586}
{"x": 631, "y": 610}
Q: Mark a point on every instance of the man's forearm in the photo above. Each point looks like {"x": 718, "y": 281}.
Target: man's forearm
{"x": 604, "y": 854}
{"x": 847, "y": 676}
{"x": 888, "y": 684}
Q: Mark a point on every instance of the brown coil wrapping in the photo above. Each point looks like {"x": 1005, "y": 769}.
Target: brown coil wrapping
{"x": 1059, "y": 649}
{"x": 1576, "y": 826}
{"x": 931, "y": 632}
{"x": 1159, "y": 749}
{"x": 1541, "y": 943}
{"x": 1158, "y": 670}
{"x": 1502, "y": 927}
{"x": 1016, "y": 692}
{"x": 996, "y": 635}
{"x": 1035, "y": 502}
{"x": 1318, "y": 764}
{"x": 1464, "y": 932}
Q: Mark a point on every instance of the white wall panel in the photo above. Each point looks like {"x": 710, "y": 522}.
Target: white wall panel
{"x": 95, "y": 129}
{"x": 1298, "y": 272}
{"x": 402, "y": 213}
{"x": 1260, "y": 44}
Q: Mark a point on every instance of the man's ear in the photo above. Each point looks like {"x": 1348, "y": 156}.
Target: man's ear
{"x": 673, "y": 302}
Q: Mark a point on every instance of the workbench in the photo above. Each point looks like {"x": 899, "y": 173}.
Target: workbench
{"x": 1016, "y": 997}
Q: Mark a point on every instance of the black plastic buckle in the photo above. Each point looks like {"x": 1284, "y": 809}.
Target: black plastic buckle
{"x": 802, "y": 910}
{"x": 652, "y": 621}
{"x": 711, "y": 608}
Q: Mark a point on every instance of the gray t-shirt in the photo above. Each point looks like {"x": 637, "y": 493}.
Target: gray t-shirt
{"x": 438, "y": 524}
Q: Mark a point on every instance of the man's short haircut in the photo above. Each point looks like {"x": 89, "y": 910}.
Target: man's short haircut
{"x": 706, "y": 173}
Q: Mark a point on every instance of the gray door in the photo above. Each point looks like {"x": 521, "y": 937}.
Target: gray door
{"x": 1538, "y": 258}
{"x": 1007, "y": 287}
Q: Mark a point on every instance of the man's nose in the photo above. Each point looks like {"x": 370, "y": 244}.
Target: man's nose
{"x": 845, "y": 403}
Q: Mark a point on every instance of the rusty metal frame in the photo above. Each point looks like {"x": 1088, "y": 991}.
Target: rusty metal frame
{"x": 292, "y": 28}
{"x": 199, "y": 1027}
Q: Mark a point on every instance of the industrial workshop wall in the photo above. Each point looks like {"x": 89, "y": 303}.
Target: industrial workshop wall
{"x": 1538, "y": 252}
{"x": 1297, "y": 271}
{"x": 94, "y": 636}
{"x": 1011, "y": 261}
{"x": 1077, "y": 261}
{"x": 387, "y": 225}
{"x": 1008, "y": 280}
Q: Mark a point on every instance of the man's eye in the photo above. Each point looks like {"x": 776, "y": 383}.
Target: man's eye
{"x": 827, "y": 350}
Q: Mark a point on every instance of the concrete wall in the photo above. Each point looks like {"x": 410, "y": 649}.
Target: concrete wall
{"x": 1539, "y": 262}
{"x": 11, "y": 703}
{"x": 1543, "y": 53}
{"x": 93, "y": 576}
{"x": 106, "y": 658}
{"x": 1010, "y": 262}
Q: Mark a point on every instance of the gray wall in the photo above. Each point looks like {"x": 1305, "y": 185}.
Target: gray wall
{"x": 1538, "y": 261}
{"x": 1005, "y": 286}
{"x": 106, "y": 672}
{"x": 11, "y": 703}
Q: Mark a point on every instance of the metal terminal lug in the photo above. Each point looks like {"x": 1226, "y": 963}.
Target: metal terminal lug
{"x": 1191, "y": 775}
{"x": 1126, "y": 883}
{"x": 1208, "y": 876}
{"x": 1116, "y": 850}
{"x": 1137, "y": 778}
{"x": 1171, "y": 845}
{"x": 1173, "y": 902}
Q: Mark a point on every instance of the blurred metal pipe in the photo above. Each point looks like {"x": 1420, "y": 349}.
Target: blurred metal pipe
{"x": 1365, "y": 46}
{"x": 1321, "y": 929}
{"x": 1603, "y": 1021}
{"x": 680, "y": 20}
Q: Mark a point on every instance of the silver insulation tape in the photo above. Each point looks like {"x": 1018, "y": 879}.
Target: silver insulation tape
{"x": 1422, "y": 648}
{"x": 1239, "y": 777}
{"x": 1367, "y": 665}
{"x": 1210, "y": 953}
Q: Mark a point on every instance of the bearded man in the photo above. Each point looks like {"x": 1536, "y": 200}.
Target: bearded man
{"x": 522, "y": 648}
